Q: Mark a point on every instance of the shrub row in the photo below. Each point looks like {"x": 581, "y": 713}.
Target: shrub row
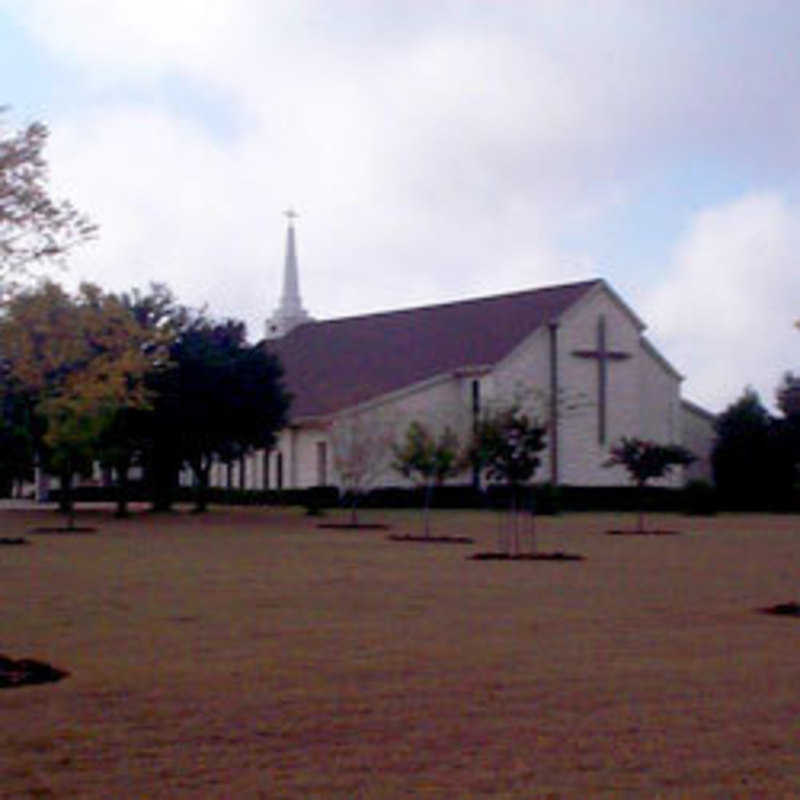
{"x": 547, "y": 499}
{"x": 696, "y": 498}
{"x": 319, "y": 496}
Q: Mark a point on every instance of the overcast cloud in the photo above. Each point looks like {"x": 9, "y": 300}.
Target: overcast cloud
{"x": 436, "y": 151}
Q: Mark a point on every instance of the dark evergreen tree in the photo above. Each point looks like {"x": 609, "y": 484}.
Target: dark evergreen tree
{"x": 19, "y": 432}
{"x": 752, "y": 456}
{"x": 221, "y": 398}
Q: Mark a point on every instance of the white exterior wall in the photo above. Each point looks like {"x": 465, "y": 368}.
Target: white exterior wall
{"x": 437, "y": 403}
{"x": 582, "y": 455}
{"x": 642, "y": 400}
{"x": 698, "y": 435}
{"x": 524, "y": 377}
{"x": 659, "y": 402}
{"x": 660, "y": 409}
{"x": 642, "y": 394}
{"x": 298, "y": 449}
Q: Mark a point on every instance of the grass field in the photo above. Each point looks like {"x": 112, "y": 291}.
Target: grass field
{"x": 245, "y": 653}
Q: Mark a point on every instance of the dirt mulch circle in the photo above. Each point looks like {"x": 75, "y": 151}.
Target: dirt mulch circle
{"x": 430, "y": 539}
{"x": 620, "y": 532}
{"x": 63, "y": 530}
{"x": 558, "y": 556}
{"x": 13, "y": 540}
{"x": 27, "y": 672}
{"x": 350, "y": 526}
{"x": 783, "y": 610}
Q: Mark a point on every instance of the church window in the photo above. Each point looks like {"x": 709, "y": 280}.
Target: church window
{"x": 476, "y": 410}
{"x": 322, "y": 463}
{"x": 265, "y": 479}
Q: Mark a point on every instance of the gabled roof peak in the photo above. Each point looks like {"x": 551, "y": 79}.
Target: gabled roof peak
{"x": 340, "y": 363}
{"x": 587, "y": 284}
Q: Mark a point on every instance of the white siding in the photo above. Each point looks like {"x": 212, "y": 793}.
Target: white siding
{"x": 642, "y": 399}
{"x": 697, "y": 427}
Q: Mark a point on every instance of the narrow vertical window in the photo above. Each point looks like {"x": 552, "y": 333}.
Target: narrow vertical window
{"x": 476, "y": 413}
{"x": 279, "y": 469}
{"x": 322, "y": 463}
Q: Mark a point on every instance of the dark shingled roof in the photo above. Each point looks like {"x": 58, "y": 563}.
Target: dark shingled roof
{"x": 340, "y": 363}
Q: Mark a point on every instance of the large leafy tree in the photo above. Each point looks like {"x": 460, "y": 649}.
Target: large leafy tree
{"x": 18, "y": 434}
{"x": 754, "y": 452}
{"x": 133, "y": 436}
{"x": 646, "y": 461}
{"x": 34, "y": 227}
{"x": 82, "y": 357}
{"x": 506, "y": 447}
{"x": 428, "y": 459}
{"x": 788, "y": 395}
{"x": 221, "y": 398}
{"x": 785, "y": 436}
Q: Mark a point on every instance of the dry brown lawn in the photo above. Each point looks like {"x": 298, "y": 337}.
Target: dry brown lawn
{"x": 247, "y": 654}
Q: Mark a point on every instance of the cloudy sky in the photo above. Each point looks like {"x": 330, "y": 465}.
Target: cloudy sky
{"x": 436, "y": 150}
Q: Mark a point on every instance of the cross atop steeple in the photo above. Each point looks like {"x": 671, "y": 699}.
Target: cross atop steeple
{"x": 290, "y": 313}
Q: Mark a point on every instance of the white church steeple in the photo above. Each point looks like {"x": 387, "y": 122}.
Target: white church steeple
{"x": 290, "y": 313}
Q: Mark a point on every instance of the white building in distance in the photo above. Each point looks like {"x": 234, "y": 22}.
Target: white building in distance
{"x": 575, "y": 355}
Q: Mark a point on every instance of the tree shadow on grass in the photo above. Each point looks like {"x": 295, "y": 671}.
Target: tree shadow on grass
{"x": 353, "y": 526}
{"x": 422, "y": 539}
{"x": 782, "y": 610}
{"x": 557, "y": 556}
{"x": 63, "y": 530}
{"x": 27, "y": 672}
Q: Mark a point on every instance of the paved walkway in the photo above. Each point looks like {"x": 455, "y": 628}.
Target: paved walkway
{"x": 13, "y": 504}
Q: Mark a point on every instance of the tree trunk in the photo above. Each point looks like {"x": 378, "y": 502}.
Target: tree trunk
{"x": 66, "y": 502}
{"x": 640, "y": 513}
{"x": 515, "y": 521}
{"x": 163, "y": 471}
{"x": 201, "y": 497}
{"x": 354, "y": 510}
{"x": 427, "y": 509}
{"x": 501, "y": 524}
{"x": 122, "y": 466}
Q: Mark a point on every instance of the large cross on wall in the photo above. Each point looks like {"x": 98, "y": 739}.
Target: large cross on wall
{"x": 604, "y": 357}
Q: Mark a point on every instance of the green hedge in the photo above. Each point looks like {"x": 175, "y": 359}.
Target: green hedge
{"x": 698, "y": 498}
{"x": 542, "y": 498}
{"x": 317, "y": 496}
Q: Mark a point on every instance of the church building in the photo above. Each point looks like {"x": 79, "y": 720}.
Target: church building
{"x": 574, "y": 355}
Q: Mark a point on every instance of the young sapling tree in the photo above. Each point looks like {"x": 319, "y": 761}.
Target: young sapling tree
{"x": 361, "y": 444}
{"x": 506, "y": 448}
{"x": 428, "y": 460}
{"x": 645, "y": 461}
